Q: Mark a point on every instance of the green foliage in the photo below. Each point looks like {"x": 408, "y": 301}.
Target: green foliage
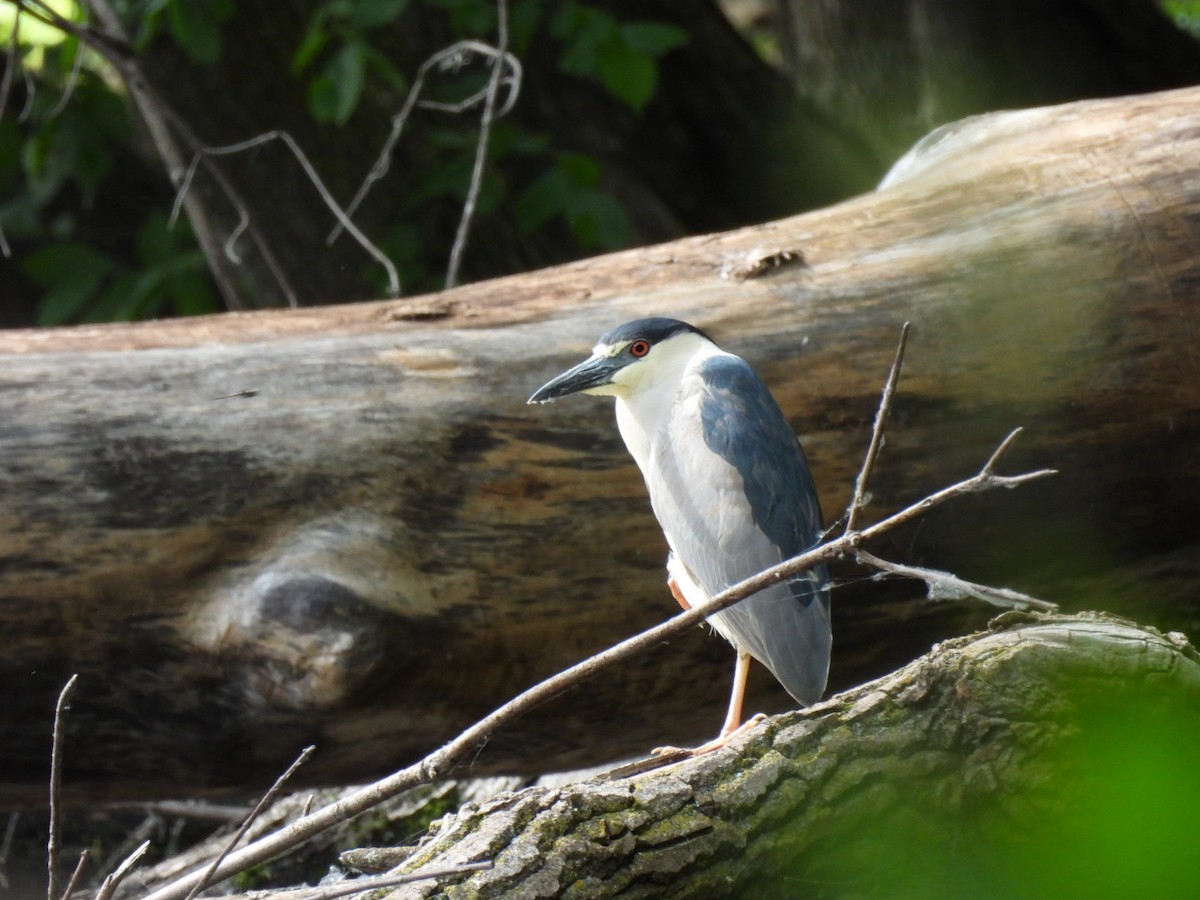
{"x": 336, "y": 88}
{"x": 1115, "y": 818}
{"x": 82, "y": 284}
{"x": 1185, "y": 13}
{"x": 194, "y": 25}
{"x": 571, "y": 190}
{"x": 63, "y": 162}
{"x": 621, "y": 56}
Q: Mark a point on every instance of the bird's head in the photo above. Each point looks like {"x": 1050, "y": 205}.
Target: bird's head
{"x": 631, "y": 355}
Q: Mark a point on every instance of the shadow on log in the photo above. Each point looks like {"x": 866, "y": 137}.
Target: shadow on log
{"x": 976, "y": 769}
{"x": 998, "y": 764}
{"x": 252, "y": 532}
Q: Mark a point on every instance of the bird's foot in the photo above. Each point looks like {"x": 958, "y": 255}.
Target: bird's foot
{"x": 715, "y": 744}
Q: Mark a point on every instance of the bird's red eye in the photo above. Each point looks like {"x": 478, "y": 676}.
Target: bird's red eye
{"x": 639, "y": 348}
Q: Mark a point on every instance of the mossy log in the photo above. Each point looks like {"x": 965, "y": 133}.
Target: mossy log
{"x": 343, "y": 526}
{"x": 942, "y": 779}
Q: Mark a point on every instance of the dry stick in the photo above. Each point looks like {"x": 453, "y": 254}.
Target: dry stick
{"x": 881, "y": 415}
{"x": 370, "y": 883}
{"x": 109, "y": 887}
{"x": 158, "y": 114}
{"x": 56, "y": 748}
{"x": 481, "y": 148}
{"x": 204, "y": 151}
{"x": 84, "y": 856}
{"x": 947, "y": 586}
{"x": 384, "y": 160}
{"x": 10, "y": 65}
{"x": 267, "y": 798}
{"x": 441, "y": 761}
{"x": 73, "y": 77}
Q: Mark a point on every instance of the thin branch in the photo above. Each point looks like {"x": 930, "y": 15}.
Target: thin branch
{"x": 881, "y": 416}
{"x": 481, "y": 150}
{"x": 266, "y": 800}
{"x": 72, "y": 882}
{"x": 442, "y": 761}
{"x": 109, "y": 887}
{"x": 946, "y": 586}
{"x": 10, "y": 830}
{"x": 344, "y": 220}
{"x": 455, "y": 51}
{"x": 56, "y": 751}
{"x": 13, "y": 60}
{"x": 370, "y": 883}
{"x": 72, "y": 78}
{"x": 111, "y": 42}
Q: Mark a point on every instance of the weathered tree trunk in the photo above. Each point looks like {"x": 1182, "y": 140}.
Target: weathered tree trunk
{"x": 937, "y": 778}
{"x": 344, "y": 526}
{"x": 990, "y": 764}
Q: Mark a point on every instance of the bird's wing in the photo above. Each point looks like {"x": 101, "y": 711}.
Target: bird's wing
{"x": 734, "y": 497}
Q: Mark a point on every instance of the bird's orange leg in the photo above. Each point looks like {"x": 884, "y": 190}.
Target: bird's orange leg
{"x": 678, "y": 594}
{"x": 733, "y": 718}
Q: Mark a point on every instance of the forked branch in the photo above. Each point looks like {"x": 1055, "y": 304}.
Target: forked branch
{"x": 441, "y": 762}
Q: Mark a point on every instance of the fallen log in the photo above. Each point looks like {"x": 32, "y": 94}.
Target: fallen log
{"x": 342, "y": 526}
{"x": 998, "y": 763}
{"x": 979, "y": 766}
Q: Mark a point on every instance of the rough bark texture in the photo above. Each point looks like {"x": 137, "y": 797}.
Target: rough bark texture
{"x": 941, "y": 779}
{"x": 983, "y": 734}
{"x": 343, "y": 526}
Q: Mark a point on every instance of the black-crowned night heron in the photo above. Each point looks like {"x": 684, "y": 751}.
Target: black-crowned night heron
{"x": 729, "y": 485}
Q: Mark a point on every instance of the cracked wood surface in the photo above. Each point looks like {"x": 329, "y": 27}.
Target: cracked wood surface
{"x": 986, "y": 732}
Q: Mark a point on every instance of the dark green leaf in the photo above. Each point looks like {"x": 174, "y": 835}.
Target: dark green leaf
{"x": 313, "y": 43}
{"x": 70, "y": 274}
{"x": 598, "y": 221}
{"x": 628, "y": 75}
{"x": 195, "y": 25}
{"x": 372, "y": 13}
{"x": 541, "y": 201}
{"x": 191, "y": 289}
{"x": 131, "y": 296}
{"x": 335, "y": 93}
{"x": 652, "y": 38}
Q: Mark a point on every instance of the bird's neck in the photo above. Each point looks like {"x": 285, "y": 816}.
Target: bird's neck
{"x": 644, "y": 410}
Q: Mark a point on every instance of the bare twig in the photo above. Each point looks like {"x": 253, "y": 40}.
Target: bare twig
{"x": 481, "y": 149}
{"x": 946, "y": 586}
{"x": 13, "y": 60}
{"x": 203, "y": 151}
{"x": 73, "y": 881}
{"x": 881, "y": 415}
{"x": 369, "y": 883}
{"x": 56, "y": 750}
{"x": 109, "y": 887}
{"x": 412, "y": 100}
{"x": 262, "y": 804}
{"x": 440, "y": 762}
{"x": 443, "y": 760}
{"x": 111, "y": 43}
{"x": 10, "y": 68}
{"x": 76, "y": 68}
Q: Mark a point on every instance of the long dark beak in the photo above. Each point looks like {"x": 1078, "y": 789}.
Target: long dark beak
{"x": 592, "y": 372}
